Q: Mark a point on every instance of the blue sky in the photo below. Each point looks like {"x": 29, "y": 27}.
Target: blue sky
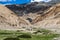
{"x": 20, "y": 1}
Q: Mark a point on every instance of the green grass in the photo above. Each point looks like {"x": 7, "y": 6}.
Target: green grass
{"x": 14, "y": 34}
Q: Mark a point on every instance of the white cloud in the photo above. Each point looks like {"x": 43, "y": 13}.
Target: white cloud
{"x": 40, "y": 0}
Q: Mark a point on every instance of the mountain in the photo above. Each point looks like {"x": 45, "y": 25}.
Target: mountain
{"x": 54, "y": 2}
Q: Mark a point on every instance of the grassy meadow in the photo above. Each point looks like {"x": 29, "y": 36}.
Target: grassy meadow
{"x": 17, "y": 35}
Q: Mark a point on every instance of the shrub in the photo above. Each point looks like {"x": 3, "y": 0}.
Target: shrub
{"x": 25, "y": 36}
{"x": 44, "y": 31}
{"x": 11, "y": 39}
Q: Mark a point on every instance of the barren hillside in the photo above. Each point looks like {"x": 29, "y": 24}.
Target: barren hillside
{"x": 52, "y": 12}
{"x": 49, "y": 18}
{"x": 9, "y": 18}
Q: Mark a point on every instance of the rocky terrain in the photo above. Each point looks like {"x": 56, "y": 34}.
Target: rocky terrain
{"x": 50, "y": 19}
{"x": 9, "y": 19}
{"x": 30, "y": 18}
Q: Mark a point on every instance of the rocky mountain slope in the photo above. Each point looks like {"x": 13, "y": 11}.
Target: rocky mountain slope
{"x": 48, "y": 18}
{"x": 50, "y": 13}
{"x": 9, "y": 18}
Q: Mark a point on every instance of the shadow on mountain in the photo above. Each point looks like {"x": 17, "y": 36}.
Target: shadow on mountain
{"x": 20, "y": 10}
